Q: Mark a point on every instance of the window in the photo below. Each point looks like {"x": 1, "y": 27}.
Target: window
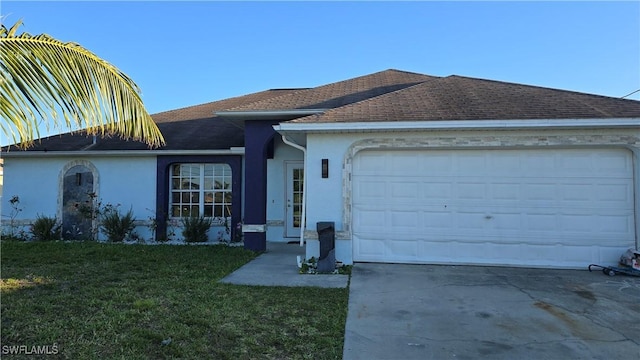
{"x": 200, "y": 190}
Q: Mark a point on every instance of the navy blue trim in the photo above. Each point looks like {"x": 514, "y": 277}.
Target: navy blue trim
{"x": 164, "y": 163}
{"x": 258, "y": 135}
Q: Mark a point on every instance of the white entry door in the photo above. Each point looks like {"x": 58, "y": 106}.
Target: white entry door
{"x": 293, "y": 211}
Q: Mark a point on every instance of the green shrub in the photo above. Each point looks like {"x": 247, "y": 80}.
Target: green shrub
{"x": 194, "y": 228}
{"x": 115, "y": 225}
{"x": 46, "y": 229}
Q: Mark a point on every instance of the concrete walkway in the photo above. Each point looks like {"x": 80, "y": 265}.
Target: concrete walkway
{"x": 278, "y": 267}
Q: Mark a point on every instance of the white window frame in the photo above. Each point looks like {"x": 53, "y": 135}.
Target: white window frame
{"x": 221, "y": 176}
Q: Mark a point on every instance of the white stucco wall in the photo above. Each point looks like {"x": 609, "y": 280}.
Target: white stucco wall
{"x": 128, "y": 181}
{"x": 329, "y": 199}
{"x": 35, "y": 182}
{"x": 276, "y": 189}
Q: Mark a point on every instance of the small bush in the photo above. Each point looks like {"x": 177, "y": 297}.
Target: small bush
{"x": 46, "y": 229}
{"x": 195, "y": 229}
{"x": 117, "y": 226}
{"x": 16, "y": 236}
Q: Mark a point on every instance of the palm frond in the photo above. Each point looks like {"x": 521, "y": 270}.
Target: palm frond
{"x": 44, "y": 80}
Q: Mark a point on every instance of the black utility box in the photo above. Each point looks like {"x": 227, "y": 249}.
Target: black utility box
{"x": 327, "y": 237}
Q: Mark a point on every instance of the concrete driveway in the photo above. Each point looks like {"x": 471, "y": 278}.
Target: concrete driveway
{"x": 469, "y": 312}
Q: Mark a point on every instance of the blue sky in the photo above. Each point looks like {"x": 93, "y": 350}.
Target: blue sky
{"x": 187, "y": 53}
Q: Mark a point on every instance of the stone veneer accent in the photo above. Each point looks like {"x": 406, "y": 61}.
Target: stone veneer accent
{"x": 96, "y": 182}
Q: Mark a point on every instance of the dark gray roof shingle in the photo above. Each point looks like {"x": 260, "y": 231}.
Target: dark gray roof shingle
{"x": 463, "y": 98}
{"x": 189, "y": 128}
{"x": 389, "y": 95}
{"x": 340, "y": 93}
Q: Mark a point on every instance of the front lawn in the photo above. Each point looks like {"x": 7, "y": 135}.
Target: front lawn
{"x": 100, "y": 301}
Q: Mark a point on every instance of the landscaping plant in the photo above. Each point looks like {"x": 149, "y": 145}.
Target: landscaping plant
{"x": 195, "y": 228}
{"x": 13, "y": 233}
{"x": 46, "y": 229}
{"x": 116, "y": 225}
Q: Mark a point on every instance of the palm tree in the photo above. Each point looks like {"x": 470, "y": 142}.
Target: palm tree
{"x": 42, "y": 78}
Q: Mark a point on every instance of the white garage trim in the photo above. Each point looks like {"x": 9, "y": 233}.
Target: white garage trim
{"x": 501, "y": 141}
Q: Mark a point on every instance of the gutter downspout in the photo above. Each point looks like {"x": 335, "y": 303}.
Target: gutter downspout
{"x": 303, "y": 219}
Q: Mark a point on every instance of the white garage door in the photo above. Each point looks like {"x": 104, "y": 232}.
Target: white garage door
{"x": 560, "y": 208}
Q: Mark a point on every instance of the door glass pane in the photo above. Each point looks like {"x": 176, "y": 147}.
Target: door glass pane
{"x": 298, "y": 179}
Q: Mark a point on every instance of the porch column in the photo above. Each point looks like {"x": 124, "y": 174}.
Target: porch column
{"x": 257, "y": 136}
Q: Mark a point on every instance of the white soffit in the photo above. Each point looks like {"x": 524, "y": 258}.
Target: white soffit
{"x": 459, "y": 125}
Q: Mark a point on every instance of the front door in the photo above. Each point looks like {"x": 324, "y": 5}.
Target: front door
{"x": 293, "y": 210}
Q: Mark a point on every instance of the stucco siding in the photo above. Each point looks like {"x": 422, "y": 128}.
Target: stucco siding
{"x": 129, "y": 182}
{"x": 35, "y": 182}
{"x": 276, "y": 189}
{"x": 330, "y": 199}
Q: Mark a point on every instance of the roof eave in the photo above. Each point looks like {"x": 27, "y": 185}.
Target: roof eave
{"x": 115, "y": 153}
{"x": 459, "y": 125}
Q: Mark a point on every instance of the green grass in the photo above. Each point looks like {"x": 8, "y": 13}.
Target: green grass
{"x": 117, "y": 301}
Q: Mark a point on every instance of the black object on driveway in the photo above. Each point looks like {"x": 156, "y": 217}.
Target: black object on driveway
{"x": 613, "y": 270}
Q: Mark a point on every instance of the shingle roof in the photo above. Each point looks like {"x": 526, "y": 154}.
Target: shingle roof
{"x": 389, "y": 95}
{"x": 206, "y": 110}
{"x": 340, "y": 93}
{"x": 463, "y": 98}
{"x": 189, "y": 128}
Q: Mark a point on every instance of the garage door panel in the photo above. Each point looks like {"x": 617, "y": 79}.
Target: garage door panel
{"x": 406, "y": 221}
{"x": 536, "y": 221}
{"x": 577, "y": 223}
{"x": 370, "y": 218}
{"x": 505, "y": 191}
{"x": 437, "y": 219}
{"x": 506, "y": 221}
{"x": 519, "y": 207}
{"x": 614, "y": 194}
{"x": 615, "y": 164}
{"x": 504, "y": 164}
{"x": 472, "y": 161}
{"x": 370, "y": 164}
{"x": 471, "y": 220}
{"x": 406, "y": 248}
{"x": 399, "y": 163}
{"x": 371, "y": 248}
{"x": 576, "y": 164}
{"x": 540, "y": 192}
{"x": 436, "y": 190}
{"x": 576, "y": 192}
{"x": 617, "y": 225}
{"x": 471, "y": 190}
{"x": 370, "y": 190}
{"x": 437, "y": 165}
{"x": 404, "y": 190}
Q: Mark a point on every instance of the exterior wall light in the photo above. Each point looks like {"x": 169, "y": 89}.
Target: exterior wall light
{"x": 325, "y": 168}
